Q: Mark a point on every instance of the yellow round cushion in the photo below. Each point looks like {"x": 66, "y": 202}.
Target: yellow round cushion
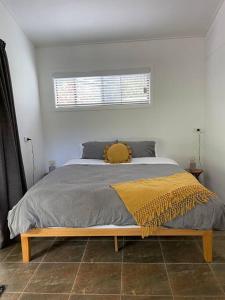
{"x": 117, "y": 153}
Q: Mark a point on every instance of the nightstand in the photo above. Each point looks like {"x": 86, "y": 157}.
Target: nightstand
{"x": 195, "y": 172}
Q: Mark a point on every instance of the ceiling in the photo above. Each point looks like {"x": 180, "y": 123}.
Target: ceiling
{"x": 60, "y": 22}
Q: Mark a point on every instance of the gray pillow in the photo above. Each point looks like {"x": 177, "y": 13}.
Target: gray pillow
{"x": 95, "y": 150}
{"x": 142, "y": 148}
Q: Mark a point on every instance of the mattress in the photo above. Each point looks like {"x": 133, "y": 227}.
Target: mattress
{"x": 79, "y": 194}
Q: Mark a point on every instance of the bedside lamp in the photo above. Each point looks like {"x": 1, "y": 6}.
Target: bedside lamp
{"x": 193, "y": 165}
{"x": 198, "y": 130}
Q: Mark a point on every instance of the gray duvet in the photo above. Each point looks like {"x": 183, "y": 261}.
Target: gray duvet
{"x": 81, "y": 196}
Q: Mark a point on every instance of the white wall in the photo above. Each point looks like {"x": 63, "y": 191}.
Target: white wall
{"x": 177, "y": 102}
{"x": 21, "y": 56}
{"x": 215, "y": 105}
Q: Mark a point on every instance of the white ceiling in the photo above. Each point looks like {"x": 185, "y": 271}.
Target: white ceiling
{"x": 53, "y": 22}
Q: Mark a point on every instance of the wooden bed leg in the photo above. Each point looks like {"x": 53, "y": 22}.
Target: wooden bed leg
{"x": 116, "y": 244}
{"x": 25, "y": 244}
{"x": 207, "y": 240}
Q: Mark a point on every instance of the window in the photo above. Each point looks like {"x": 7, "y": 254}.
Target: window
{"x": 92, "y": 91}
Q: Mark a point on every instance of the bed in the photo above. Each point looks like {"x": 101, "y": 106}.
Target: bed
{"x": 77, "y": 200}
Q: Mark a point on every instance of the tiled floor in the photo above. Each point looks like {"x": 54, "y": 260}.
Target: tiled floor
{"x": 89, "y": 269}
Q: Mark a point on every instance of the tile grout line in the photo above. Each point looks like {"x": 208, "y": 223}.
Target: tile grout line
{"x": 78, "y": 269}
{"x": 198, "y": 246}
{"x": 29, "y": 281}
{"x": 141, "y": 295}
{"x": 37, "y": 293}
{"x": 114, "y": 262}
{"x": 211, "y": 269}
{"x": 167, "y": 274}
{"x": 217, "y": 281}
{"x": 38, "y": 267}
{"x": 4, "y": 259}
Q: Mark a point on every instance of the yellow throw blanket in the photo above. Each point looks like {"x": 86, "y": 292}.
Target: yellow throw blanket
{"x": 156, "y": 201}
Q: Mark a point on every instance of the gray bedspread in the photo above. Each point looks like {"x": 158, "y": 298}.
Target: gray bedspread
{"x": 81, "y": 196}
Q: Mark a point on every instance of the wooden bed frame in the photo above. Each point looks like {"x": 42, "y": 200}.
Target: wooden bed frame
{"x": 114, "y": 232}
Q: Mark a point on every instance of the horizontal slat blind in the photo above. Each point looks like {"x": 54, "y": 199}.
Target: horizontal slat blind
{"x": 102, "y": 90}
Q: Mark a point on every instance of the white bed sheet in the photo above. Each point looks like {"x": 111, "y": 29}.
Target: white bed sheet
{"x": 107, "y": 226}
{"x": 135, "y": 161}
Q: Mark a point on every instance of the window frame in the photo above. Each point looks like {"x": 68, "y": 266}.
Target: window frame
{"x": 103, "y": 106}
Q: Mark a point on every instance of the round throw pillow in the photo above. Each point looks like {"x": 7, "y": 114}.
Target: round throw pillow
{"x": 117, "y": 153}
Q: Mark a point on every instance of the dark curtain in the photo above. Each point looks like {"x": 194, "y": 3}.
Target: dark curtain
{"x": 12, "y": 177}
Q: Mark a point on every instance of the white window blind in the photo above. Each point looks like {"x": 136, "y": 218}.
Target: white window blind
{"x": 102, "y": 90}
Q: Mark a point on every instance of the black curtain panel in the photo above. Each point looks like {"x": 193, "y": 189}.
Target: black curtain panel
{"x": 12, "y": 177}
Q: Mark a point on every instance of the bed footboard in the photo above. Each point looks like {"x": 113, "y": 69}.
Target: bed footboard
{"x": 207, "y": 236}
